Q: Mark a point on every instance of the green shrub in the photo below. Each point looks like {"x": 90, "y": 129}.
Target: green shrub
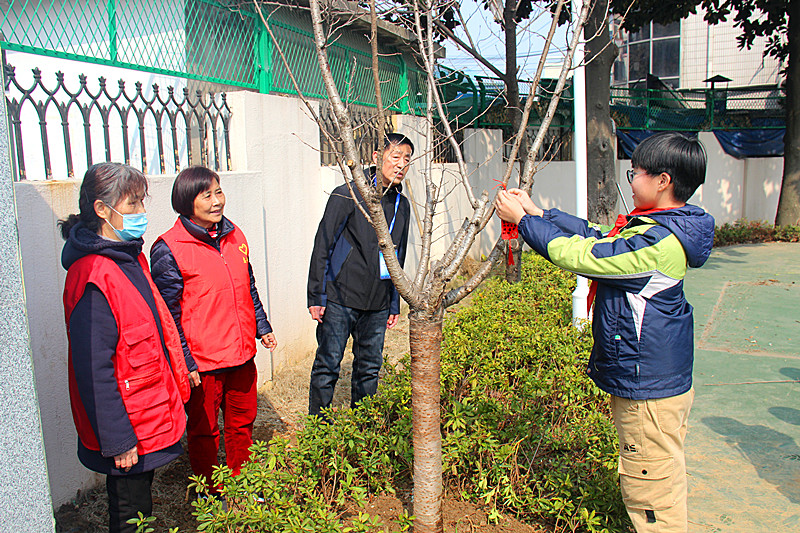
{"x": 752, "y": 231}
{"x": 524, "y": 429}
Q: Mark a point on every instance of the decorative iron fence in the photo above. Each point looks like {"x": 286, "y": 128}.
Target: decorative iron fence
{"x": 155, "y": 131}
{"x": 556, "y": 146}
{"x": 365, "y": 126}
{"x": 367, "y": 136}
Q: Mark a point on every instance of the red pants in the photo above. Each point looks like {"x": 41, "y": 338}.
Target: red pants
{"x": 235, "y": 392}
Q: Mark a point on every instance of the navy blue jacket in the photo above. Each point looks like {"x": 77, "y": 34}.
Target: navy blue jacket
{"x": 93, "y": 338}
{"x": 167, "y": 277}
{"x": 344, "y": 262}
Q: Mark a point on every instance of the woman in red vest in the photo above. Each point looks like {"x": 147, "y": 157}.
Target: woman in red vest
{"x": 202, "y": 268}
{"x": 127, "y": 378}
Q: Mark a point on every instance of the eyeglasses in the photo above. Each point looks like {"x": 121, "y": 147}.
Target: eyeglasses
{"x": 631, "y": 174}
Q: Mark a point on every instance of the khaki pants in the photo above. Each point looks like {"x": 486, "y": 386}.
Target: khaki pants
{"x": 652, "y": 466}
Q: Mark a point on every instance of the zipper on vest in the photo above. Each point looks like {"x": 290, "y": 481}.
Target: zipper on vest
{"x": 233, "y": 288}
{"x": 233, "y": 294}
{"x": 127, "y": 385}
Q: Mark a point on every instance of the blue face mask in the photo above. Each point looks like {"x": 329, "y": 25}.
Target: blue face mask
{"x": 133, "y": 225}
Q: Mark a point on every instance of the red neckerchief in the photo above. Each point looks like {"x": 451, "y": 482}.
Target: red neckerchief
{"x": 213, "y": 231}
{"x": 622, "y": 221}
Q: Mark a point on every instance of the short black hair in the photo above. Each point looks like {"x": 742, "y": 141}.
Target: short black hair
{"x": 396, "y": 138}
{"x": 189, "y": 183}
{"x": 682, "y": 157}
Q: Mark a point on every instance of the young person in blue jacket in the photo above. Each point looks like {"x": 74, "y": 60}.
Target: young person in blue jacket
{"x": 642, "y": 324}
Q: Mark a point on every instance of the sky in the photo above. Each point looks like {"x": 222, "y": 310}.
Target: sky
{"x": 488, "y": 38}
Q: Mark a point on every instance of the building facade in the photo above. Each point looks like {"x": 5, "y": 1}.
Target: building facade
{"x": 684, "y": 53}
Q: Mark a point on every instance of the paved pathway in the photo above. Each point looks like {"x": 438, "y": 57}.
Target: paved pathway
{"x": 743, "y": 448}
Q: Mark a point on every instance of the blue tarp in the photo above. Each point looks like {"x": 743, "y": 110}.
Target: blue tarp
{"x": 630, "y": 139}
{"x": 742, "y": 144}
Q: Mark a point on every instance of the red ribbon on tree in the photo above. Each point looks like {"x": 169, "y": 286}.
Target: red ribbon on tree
{"x": 508, "y": 230}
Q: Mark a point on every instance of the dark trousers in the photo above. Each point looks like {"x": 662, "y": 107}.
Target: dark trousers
{"x": 368, "y": 329}
{"x": 235, "y": 393}
{"x": 127, "y": 496}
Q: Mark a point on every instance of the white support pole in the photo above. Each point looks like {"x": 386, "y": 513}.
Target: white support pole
{"x": 579, "y": 297}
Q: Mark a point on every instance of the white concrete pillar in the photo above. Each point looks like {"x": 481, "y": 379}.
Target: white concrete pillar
{"x": 25, "y": 503}
{"x": 579, "y": 296}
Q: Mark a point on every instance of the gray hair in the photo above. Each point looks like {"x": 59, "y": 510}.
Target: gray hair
{"x": 109, "y": 183}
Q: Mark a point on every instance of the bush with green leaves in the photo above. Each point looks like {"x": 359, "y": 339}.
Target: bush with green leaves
{"x": 525, "y": 431}
{"x": 745, "y": 231}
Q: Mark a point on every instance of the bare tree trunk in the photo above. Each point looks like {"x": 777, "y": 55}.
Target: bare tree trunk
{"x": 600, "y": 55}
{"x": 427, "y": 295}
{"x": 425, "y": 336}
{"x": 513, "y": 273}
{"x": 789, "y": 202}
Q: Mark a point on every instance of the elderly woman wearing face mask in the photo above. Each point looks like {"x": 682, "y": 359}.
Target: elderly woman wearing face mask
{"x": 127, "y": 376}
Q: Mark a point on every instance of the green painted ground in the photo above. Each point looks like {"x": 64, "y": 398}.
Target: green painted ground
{"x": 743, "y": 447}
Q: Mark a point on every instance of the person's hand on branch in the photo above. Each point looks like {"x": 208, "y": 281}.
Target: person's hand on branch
{"x": 508, "y": 207}
{"x": 525, "y": 201}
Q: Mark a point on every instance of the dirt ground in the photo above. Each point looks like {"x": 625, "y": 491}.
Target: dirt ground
{"x": 281, "y": 409}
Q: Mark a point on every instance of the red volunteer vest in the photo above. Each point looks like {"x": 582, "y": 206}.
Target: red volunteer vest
{"x": 218, "y": 317}
{"x": 153, "y": 391}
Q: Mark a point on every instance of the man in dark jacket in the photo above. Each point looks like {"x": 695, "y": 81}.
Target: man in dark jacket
{"x": 349, "y": 290}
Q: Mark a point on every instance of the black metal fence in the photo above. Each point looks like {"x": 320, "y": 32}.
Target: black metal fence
{"x": 54, "y": 126}
{"x": 556, "y": 146}
{"x": 365, "y": 129}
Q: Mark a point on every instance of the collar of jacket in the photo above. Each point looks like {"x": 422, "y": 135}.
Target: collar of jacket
{"x": 369, "y": 172}
{"x": 83, "y": 241}
{"x": 200, "y": 233}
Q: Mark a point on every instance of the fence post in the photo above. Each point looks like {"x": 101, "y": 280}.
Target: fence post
{"x": 481, "y": 101}
{"x": 25, "y": 502}
{"x": 710, "y": 107}
{"x": 405, "y": 101}
{"x": 111, "y": 11}
{"x": 263, "y": 44}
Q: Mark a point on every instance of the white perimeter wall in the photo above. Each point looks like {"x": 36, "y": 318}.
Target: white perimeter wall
{"x": 277, "y": 205}
{"x": 734, "y": 188}
{"x": 277, "y": 198}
